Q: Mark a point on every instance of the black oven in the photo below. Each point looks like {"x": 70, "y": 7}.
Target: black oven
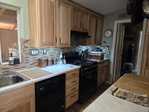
{"x": 88, "y": 74}
{"x": 88, "y": 81}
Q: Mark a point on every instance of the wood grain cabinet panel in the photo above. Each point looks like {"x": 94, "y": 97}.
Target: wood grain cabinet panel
{"x": 80, "y": 20}
{"x": 19, "y": 100}
{"x": 42, "y": 23}
{"x": 92, "y": 26}
{"x": 103, "y": 72}
{"x": 99, "y": 29}
{"x": 92, "y": 30}
{"x": 145, "y": 61}
{"x": 76, "y": 19}
{"x": 64, "y": 25}
{"x": 84, "y": 24}
{"x": 72, "y": 88}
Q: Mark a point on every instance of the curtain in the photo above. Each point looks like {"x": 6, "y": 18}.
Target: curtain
{"x": 118, "y": 51}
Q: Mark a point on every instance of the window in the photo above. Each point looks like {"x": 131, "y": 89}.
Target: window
{"x": 9, "y": 47}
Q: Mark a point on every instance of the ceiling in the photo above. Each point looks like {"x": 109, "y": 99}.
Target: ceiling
{"x": 103, "y": 6}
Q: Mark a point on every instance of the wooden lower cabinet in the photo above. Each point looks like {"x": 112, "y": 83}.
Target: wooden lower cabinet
{"x": 19, "y": 100}
{"x": 145, "y": 60}
{"x": 72, "y": 88}
{"x": 103, "y": 72}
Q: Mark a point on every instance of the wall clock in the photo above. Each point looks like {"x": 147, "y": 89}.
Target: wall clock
{"x": 108, "y": 33}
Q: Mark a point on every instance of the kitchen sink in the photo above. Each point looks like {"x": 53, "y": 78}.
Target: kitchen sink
{"x": 9, "y": 78}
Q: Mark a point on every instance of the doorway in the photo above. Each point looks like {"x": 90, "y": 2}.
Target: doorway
{"x": 130, "y": 48}
{"x": 10, "y": 44}
{"x": 126, "y": 48}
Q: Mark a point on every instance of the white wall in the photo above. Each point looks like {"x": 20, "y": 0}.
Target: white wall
{"x": 109, "y": 24}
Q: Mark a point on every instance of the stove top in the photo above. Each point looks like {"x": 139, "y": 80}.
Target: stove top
{"x": 83, "y": 63}
{"x": 77, "y": 59}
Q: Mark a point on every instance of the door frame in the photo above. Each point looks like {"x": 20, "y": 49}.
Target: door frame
{"x": 114, "y": 44}
{"x": 18, "y": 11}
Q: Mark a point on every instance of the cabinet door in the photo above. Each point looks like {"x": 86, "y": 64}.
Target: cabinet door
{"x": 65, "y": 25}
{"x": 21, "y": 108}
{"x": 72, "y": 88}
{"x": 99, "y": 30}
{"x": 103, "y": 72}
{"x": 92, "y": 26}
{"x": 19, "y": 100}
{"x": 84, "y": 21}
{"x": 42, "y": 23}
{"x": 76, "y": 21}
{"x": 92, "y": 30}
{"x": 145, "y": 61}
{"x": 47, "y": 19}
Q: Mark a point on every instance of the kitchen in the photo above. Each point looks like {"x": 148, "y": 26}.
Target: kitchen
{"x": 58, "y": 55}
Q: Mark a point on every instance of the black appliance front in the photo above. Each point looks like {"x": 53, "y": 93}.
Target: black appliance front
{"x": 50, "y": 95}
{"x": 88, "y": 82}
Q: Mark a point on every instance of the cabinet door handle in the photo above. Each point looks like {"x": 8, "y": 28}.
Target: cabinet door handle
{"x": 73, "y": 96}
{"x": 74, "y": 89}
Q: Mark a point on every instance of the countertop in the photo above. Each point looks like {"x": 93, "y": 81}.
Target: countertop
{"x": 35, "y": 74}
{"x": 109, "y": 103}
{"x": 39, "y": 74}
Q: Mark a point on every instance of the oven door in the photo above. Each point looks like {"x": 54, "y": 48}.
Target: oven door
{"x": 88, "y": 82}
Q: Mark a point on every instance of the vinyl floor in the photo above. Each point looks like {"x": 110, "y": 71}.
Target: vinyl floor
{"x": 77, "y": 107}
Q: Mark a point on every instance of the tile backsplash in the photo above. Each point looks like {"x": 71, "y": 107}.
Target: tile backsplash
{"x": 31, "y": 55}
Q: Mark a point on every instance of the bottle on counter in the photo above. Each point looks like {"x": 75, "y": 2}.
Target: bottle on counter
{"x": 11, "y": 59}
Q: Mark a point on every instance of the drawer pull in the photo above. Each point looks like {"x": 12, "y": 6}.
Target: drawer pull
{"x": 73, "y": 89}
{"x": 73, "y": 96}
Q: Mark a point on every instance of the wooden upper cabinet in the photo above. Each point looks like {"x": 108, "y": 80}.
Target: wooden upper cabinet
{"x": 76, "y": 20}
{"x": 92, "y": 26}
{"x": 84, "y": 21}
{"x": 64, "y": 25}
{"x": 92, "y": 30}
{"x": 42, "y": 23}
{"x": 80, "y": 20}
{"x": 99, "y": 29}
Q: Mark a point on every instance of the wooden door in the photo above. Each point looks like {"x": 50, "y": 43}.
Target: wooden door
{"x": 76, "y": 21}
{"x": 99, "y": 30}
{"x": 65, "y": 25}
{"x": 103, "y": 72}
{"x": 118, "y": 52}
{"x": 18, "y": 100}
{"x": 84, "y": 18}
{"x": 145, "y": 62}
{"x": 92, "y": 30}
{"x": 92, "y": 26}
{"x": 47, "y": 19}
{"x": 42, "y": 23}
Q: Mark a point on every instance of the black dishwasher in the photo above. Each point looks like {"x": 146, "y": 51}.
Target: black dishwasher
{"x": 50, "y": 94}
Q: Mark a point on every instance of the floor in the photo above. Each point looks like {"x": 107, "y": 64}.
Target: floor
{"x": 80, "y": 107}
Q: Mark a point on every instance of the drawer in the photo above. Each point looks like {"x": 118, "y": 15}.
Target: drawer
{"x": 72, "y": 83}
{"x": 71, "y": 99}
{"x": 72, "y": 75}
{"x": 73, "y": 89}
